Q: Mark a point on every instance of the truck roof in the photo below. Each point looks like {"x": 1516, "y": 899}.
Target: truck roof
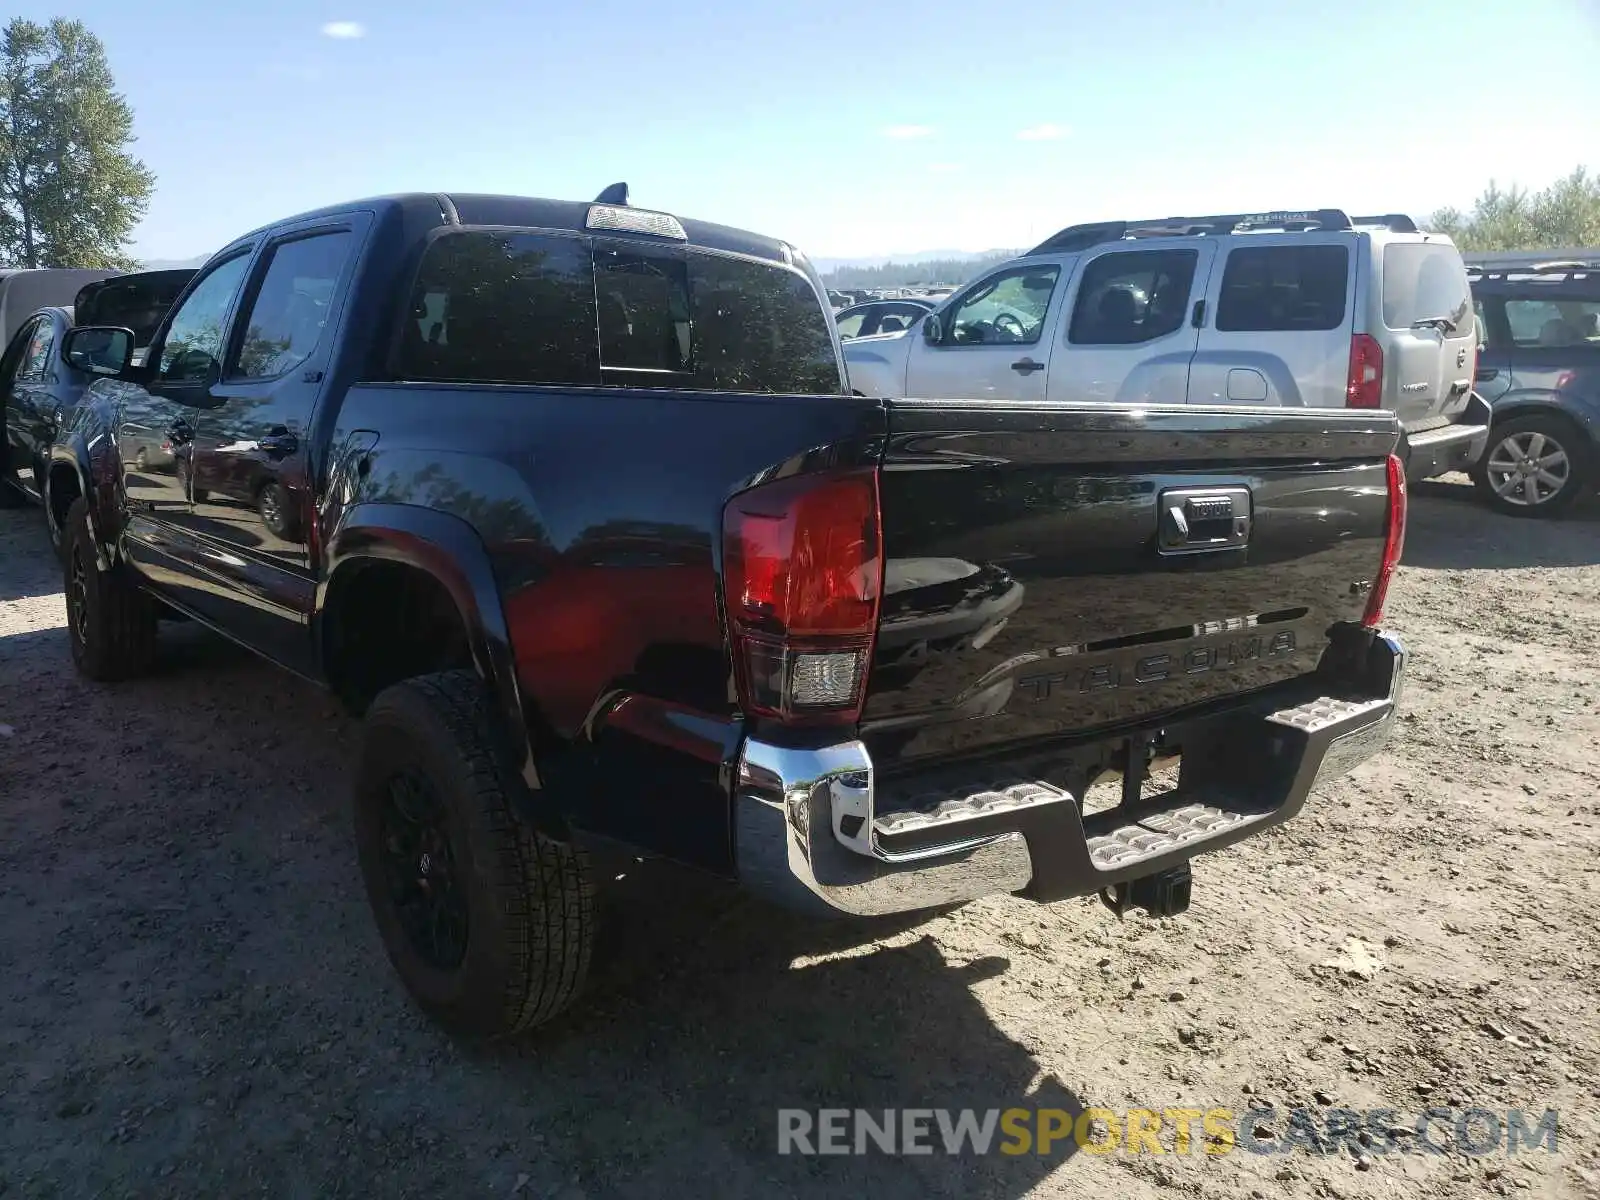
{"x": 472, "y": 208}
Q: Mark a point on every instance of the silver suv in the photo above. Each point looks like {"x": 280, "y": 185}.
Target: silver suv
{"x": 1305, "y": 309}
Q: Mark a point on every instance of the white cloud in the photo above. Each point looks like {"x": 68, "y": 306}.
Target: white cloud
{"x": 344, "y": 29}
{"x": 908, "y": 131}
{"x": 1042, "y": 133}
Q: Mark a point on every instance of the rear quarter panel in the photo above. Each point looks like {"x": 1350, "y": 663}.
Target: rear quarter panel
{"x": 1276, "y": 368}
{"x": 600, "y": 511}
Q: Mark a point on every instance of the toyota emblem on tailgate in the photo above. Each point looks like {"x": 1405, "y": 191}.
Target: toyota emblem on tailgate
{"x": 1195, "y": 520}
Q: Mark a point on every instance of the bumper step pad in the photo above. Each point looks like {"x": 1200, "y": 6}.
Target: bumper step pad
{"x": 950, "y": 806}
{"x": 1163, "y": 832}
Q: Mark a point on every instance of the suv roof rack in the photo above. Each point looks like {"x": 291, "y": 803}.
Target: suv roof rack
{"x": 1561, "y": 267}
{"x": 1080, "y": 237}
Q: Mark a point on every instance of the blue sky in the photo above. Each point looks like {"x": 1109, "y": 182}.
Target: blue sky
{"x": 850, "y": 129}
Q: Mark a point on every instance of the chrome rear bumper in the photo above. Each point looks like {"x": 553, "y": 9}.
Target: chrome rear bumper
{"x": 808, "y": 834}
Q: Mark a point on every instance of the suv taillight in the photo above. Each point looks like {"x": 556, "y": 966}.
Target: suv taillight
{"x": 802, "y": 576}
{"x": 1363, "y": 386}
{"x": 1394, "y": 540}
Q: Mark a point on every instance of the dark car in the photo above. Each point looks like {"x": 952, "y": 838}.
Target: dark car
{"x": 1539, "y": 368}
{"x": 574, "y": 506}
{"x": 882, "y": 316}
{"x": 39, "y": 387}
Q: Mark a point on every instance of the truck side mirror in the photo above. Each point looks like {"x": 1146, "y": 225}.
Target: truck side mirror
{"x": 99, "y": 349}
{"x": 932, "y": 329}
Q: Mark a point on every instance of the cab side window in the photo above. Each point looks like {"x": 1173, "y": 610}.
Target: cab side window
{"x": 192, "y": 352}
{"x": 290, "y": 307}
{"x": 1007, "y": 308}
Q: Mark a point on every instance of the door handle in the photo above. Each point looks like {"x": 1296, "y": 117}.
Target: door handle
{"x": 1027, "y": 366}
{"x": 1484, "y": 373}
{"x": 279, "y": 444}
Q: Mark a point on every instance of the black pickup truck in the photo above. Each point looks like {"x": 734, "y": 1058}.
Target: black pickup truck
{"x": 574, "y": 503}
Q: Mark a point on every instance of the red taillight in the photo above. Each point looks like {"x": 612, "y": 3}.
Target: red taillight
{"x": 1363, "y": 387}
{"x": 1394, "y": 541}
{"x": 802, "y": 574}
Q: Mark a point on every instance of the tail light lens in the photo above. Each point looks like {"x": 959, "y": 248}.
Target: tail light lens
{"x": 802, "y": 574}
{"x": 1565, "y": 380}
{"x": 1394, "y": 541}
{"x": 1363, "y": 386}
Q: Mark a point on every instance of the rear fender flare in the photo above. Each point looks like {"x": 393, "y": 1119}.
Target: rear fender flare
{"x": 448, "y": 549}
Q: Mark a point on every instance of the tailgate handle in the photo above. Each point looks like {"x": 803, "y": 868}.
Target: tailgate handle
{"x": 1026, "y": 366}
{"x": 1201, "y": 520}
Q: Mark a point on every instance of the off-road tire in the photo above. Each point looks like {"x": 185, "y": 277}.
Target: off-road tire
{"x": 111, "y": 623}
{"x": 1580, "y": 454}
{"x": 529, "y": 899}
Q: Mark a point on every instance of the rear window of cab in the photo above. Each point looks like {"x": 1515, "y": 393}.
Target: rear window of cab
{"x": 507, "y": 306}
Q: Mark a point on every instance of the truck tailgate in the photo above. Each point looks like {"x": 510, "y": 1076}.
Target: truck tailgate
{"x": 1061, "y": 568}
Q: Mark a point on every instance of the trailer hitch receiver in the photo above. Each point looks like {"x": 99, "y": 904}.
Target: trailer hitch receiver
{"x": 1164, "y": 894}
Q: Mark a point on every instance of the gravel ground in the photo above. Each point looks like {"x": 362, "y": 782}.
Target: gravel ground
{"x": 194, "y": 1002}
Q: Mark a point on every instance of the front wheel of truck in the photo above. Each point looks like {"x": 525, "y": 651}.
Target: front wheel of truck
{"x": 111, "y": 623}
{"x": 489, "y": 923}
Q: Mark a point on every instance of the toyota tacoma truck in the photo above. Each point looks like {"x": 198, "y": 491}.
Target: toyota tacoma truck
{"x": 573, "y": 503}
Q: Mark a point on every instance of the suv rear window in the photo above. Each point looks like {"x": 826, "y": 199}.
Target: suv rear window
{"x": 1283, "y": 288}
{"x": 509, "y": 307}
{"x": 1423, "y": 281}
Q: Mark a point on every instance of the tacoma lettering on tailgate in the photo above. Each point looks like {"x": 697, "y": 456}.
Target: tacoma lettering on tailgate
{"x": 1154, "y": 668}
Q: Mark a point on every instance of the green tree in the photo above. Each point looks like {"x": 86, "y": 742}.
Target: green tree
{"x": 70, "y": 192}
{"x": 1567, "y": 213}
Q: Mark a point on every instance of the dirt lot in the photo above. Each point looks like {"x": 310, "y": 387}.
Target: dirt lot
{"x": 193, "y": 1000}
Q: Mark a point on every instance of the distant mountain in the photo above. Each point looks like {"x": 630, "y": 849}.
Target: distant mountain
{"x": 825, "y": 265}
{"x": 173, "y": 264}
{"x": 901, "y": 270}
